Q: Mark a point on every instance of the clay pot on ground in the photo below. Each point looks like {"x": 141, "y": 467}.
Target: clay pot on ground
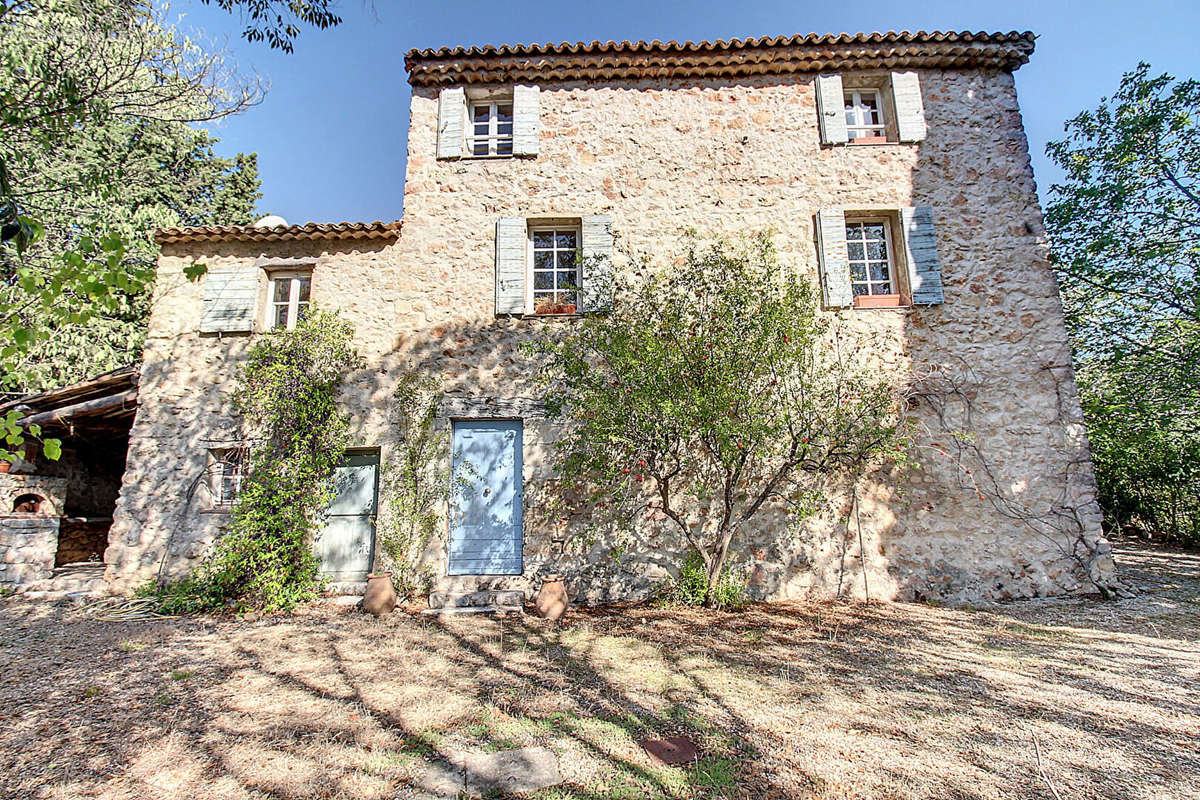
{"x": 5, "y": 466}
{"x": 380, "y": 597}
{"x": 552, "y": 600}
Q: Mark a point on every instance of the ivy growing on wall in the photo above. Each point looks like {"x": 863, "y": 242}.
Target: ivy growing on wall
{"x": 287, "y": 396}
{"x": 416, "y": 479}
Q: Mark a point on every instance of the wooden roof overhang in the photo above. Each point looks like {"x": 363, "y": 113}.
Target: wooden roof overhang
{"x": 733, "y": 59}
{"x": 104, "y": 404}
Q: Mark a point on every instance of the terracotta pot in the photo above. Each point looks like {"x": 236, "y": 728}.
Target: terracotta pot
{"x": 552, "y": 600}
{"x": 5, "y": 466}
{"x": 878, "y": 301}
{"x": 380, "y": 597}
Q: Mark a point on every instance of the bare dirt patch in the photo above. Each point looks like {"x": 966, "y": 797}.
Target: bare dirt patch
{"x": 804, "y": 700}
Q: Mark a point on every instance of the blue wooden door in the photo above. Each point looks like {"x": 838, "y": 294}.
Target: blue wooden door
{"x": 485, "y": 499}
{"x": 346, "y": 540}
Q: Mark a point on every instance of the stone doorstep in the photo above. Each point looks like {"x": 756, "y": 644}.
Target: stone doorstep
{"x": 486, "y": 598}
{"x": 453, "y": 612}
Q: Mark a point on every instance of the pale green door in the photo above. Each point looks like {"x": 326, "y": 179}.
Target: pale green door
{"x": 347, "y": 540}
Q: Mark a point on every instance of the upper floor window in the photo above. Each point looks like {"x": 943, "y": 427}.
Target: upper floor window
{"x": 289, "y": 298}
{"x": 227, "y": 473}
{"x": 554, "y": 269}
{"x": 869, "y": 107}
{"x": 864, "y": 116}
{"x": 869, "y": 252}
{"x": 491, "y": 128}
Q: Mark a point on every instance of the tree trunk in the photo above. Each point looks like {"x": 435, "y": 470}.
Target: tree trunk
{"x": 715, "y": 568}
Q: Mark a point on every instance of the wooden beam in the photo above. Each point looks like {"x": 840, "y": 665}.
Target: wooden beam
{"x": 88, "y": 408}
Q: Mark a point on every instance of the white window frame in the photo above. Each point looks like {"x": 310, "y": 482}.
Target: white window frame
{"x": 493, "y": 138}
{"x": 858, "y": 130}
{"x": 227, "y": 464}
{"x": 293, "y": 302}
{"x": 530, "y": 291}
{"x": 892, "y": 262}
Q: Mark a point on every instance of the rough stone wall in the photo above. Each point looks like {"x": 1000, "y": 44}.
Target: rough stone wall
{"x": 27, "y": 545}
{"x": 725, "y": 158}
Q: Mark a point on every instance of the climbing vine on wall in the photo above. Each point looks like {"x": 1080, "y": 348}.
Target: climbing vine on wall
{"x": 416, "y": 479}
{"x": 287, "y": 396}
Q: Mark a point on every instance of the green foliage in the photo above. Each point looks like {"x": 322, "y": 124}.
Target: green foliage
{"x": 416, "y": 479}
{"x": 277, "y": 22}
{"x": 714, "y": 384}
{"x": 287, "y": 395}
{"x": 690, "y": 587}
{"x": 97, "y": 150}
{"x": 1125, "y": 228}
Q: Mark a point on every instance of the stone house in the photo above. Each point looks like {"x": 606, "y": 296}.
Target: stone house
{"x": 893, "y": 170}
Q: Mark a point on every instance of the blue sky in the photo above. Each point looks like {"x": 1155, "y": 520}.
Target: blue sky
{"x": 330, "y": 135}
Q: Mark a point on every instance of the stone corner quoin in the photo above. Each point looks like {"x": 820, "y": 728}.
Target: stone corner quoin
{"x": 661, "y": 142}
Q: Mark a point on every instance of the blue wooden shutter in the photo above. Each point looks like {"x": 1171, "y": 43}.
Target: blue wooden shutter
{"x": 452, "y": 104}
{"x": 596, "y": 248}
{"x": 511, "y": 242}
{"x": 229, "y": 299}
{"x": 831, "y": 109}
{"x": 920, "y": 244}
{"x": 910, "y": 109}
{"x": 526, "y": 111}
{"x": 834, "y": 262}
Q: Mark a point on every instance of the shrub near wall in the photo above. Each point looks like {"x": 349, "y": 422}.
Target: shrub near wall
{"x": 287, "y": 395}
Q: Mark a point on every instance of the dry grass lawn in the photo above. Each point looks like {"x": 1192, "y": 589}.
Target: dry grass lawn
{"x": 821, "y": 701}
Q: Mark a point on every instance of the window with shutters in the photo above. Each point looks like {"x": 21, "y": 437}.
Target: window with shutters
{"x": 289, "y": 294}
{"x": 490, "y": 128}
{"x": 864, "y": 116}
{"x": 554, "y": 278}
{"x": 227, "y": 471}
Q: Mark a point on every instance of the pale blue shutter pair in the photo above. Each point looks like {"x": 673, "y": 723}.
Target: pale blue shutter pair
{"x": 920, "y": 250}
{"x": 512, "y": 265}
{"x": 906, "y": 98}
{"x": 452, "y": 118}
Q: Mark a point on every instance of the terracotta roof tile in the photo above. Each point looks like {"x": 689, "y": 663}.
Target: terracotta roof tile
{"x": 779, "y": 55}
{"x": 282, "y": 233}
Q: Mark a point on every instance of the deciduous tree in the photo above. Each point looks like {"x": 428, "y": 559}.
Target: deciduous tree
{"x": 713, "y": 392}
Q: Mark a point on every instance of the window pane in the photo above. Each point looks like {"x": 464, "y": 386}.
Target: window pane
{"x": 283, "y": 289}
{"x": 861, "y": 288}
{"x": 858, "y": 272}
{"x": 301, "y": 311}
{"x": 543, "y": 259}
{"x": 479, "y": 149}
{"x": 566, "y": 279}
{"x": 504, "y": 148}
{"x": 881, "y": 288}
{"x": 877, "y": 251}
{"x": 869, "y": 101}
{"x": 481, "y": 113}
{"x": 543, "y": 239}
{"x": 504, "y": 113}
{"x": 873, "y": 230}
{"x": 281, "y": 316}
{"x": 481, "y": 130}
{"x": 855, "y": 250}
{"x": 879, "y": 272}
{"x": 566, "y": 240}
{"x": 305, "y": 288}
{"x": 504, "y": 129}
{"x": 543, "y": 280}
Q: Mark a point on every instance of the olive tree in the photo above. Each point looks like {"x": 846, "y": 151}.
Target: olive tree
{"x": 712, "y": 391}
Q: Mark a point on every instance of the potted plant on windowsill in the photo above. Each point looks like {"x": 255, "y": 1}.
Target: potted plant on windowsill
{"x": 553, "y": 305}
{"x": 869, "y": 140}
{"x": 879, "y": 301}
